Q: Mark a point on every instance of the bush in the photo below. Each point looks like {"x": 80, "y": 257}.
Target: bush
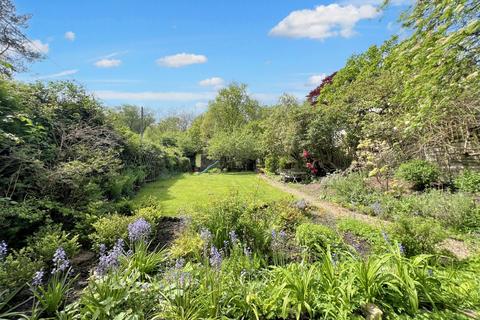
{"x": 350, "y": 190}
{"x": 188, "y": 245}
{"x": 468, "y": 181}
{"x": 48, "y": 239}
{"x": 18, "y": 268}
{"x": 271, "y": 164}
{"x": 418, "y": 235}
{"x": 312, "y": 235}
{"x": 110, "y": 228}
{"x": 419, "y": 172}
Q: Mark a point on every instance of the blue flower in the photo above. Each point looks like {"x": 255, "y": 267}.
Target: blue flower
{"x": 233, "y": 237}
{"x": 206, "y": 235}
{"x": 38, "y": 278}
{"x": 401, "y": 248}
{"x": 215, "y": 258}
{"x": 139, "y": 230}
{"x": 110, "y": 260}
{"x": 3, "y": 250}
{"x": 60, "y": 261}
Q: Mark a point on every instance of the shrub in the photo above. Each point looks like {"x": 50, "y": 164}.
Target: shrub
{"x": 271, "y": 164}
{"x": 419, "y": 172}
{"x": 188, "y": 245}
{"x": 372, "y": 234}
{"x": 18, "y": 268}
{"x": 350, "y": 190}
{"x": 48, "y": 239}
{"x": 110, "y": 228}
{"x": 417, "y": 235}
{"x": 312, "y": 235}
{"x": 468, "y": 181}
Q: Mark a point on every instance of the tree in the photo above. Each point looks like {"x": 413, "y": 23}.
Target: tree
{"x": 130, "y": 116}
{"x": 15, "y": 48}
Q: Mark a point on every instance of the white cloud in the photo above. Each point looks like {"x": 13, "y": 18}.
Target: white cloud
{"x": 378, "y": 2}
{"x": 70, "y": 35}
{"x": 316, "y": 79}
{"x": 108, "y": 63}
{"x": 181, "y": 60}
{"x": 39, "y": 46}
{"x": 324, "y": 21}
{"x": 59, "y": 74}
{"x": 215, "y": 82}
{"x": 154, "y": 95}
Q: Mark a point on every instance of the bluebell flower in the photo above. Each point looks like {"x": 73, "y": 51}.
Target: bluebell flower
{"x": 377, "y": 208}
{"x": 206, "y": 235}
{"x": 110, "y": 260}
{"x": 3, "y": 250}
{"x": 385, "y": 237}
{"x": 233, "y": 237}
{"x": 401, "y": 248}
{"x": 38, "y": 278}
{"x": 139, "y": 230}
{"x": 215, "y": 258}
{"x": 60, "y": 261}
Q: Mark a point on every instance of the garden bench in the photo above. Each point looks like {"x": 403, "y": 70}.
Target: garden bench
{"x": 294, "y": 176}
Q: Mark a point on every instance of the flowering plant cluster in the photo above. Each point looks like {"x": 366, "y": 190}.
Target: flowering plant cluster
{"x": 111, "y": 259}
{"x": 60, "y": 261}
{"x": 3, "y": 250}
{"x": 310, "y": 162}
{"x": 139, "y": 230}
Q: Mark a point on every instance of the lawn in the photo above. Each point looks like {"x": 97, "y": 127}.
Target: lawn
{"x": 181, "y": 192}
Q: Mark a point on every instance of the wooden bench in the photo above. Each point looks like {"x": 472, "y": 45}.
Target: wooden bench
{"x": 293, "y": 176}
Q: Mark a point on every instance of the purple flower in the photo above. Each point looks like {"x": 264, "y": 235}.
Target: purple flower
{"x": 3, "y": 250}
{"x": 215, "y": 258}
{"x": 179, "y": 263}
{"x": 430, "y": 272}
{"x": 401, "y": 248}
{"x": 60, "y": 261}
{"x": 110, "y": 260}
{"x": 38, "y": 278}
{"x": 139, "y": 230}
{"x": 206, "y": 235}
{"x": 233, "y": 237}
{"x": 377, "y": 208}
{"x": 278, "y": 240}
{"x": 385, "y": 237}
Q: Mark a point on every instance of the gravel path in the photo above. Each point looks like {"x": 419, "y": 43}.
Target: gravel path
{"x": 329, "y": 210}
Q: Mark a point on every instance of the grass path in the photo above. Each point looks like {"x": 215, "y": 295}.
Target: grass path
{"x": 181, "y": 192}
{"x": 334, "y": 211}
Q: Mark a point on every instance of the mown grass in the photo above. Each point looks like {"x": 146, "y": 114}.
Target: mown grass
{"x": 181, "y": 192}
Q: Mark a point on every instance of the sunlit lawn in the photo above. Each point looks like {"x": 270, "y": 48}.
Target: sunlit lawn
{"x": 184, "y": 191}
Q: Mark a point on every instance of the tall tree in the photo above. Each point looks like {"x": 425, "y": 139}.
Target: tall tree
{"x": 15, "y": 47}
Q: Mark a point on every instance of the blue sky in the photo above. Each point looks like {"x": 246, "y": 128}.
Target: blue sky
{"x": 172, "y": 56}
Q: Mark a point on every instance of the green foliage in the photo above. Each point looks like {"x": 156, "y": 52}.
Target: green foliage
{"x": 418, "y": 235}
{"x": 18, "y": 268}
{"x": 46, "y": 241}
{"x": 468, "y": 181}
{"x": 113, "y": 227}
{"x": 313, "y": 236}
{"x": 53, "y": 295}
{"x": 372, "y": 234}
{"x": 419, "y": 172}
{"x": 271, "y": 164}
{"x": 143, "y": 260}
